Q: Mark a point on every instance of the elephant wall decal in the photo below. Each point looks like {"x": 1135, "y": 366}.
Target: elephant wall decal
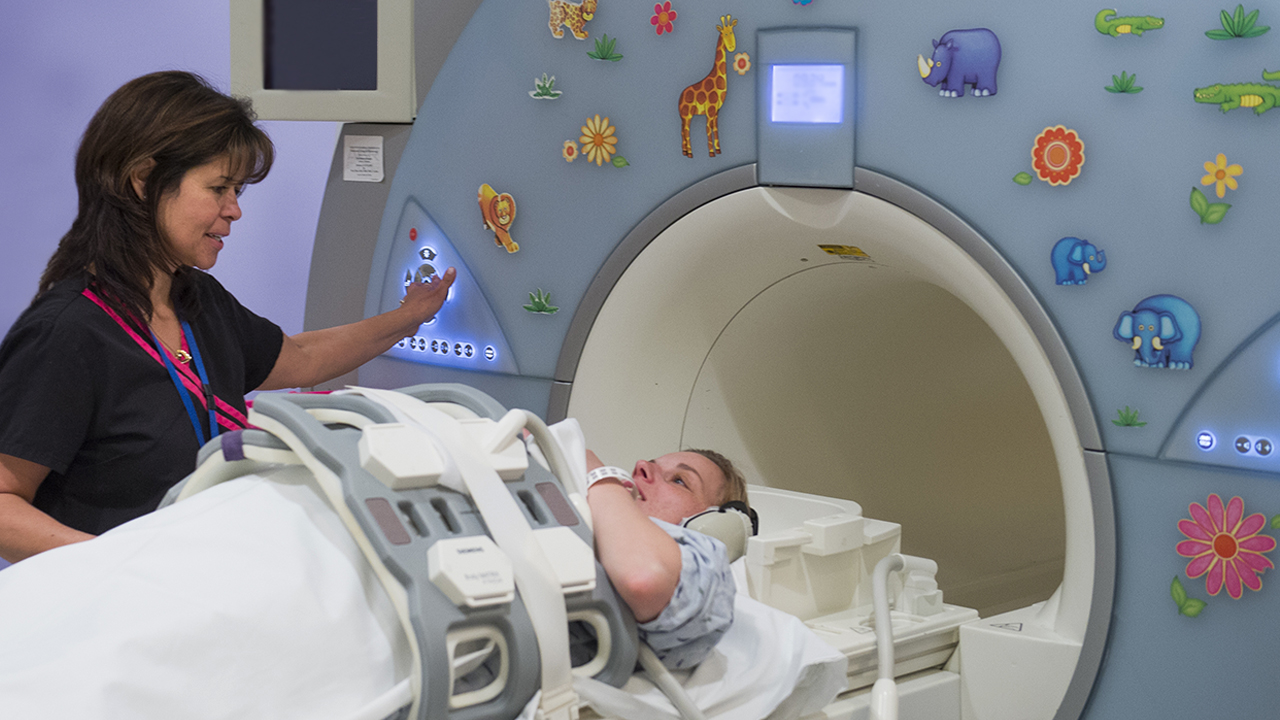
{"x": 1074, "y": 260}
{"x": 1163, "y": 330}
{"x": 963, "y": 57}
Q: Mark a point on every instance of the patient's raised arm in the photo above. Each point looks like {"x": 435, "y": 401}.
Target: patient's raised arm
{"x": 642, "y": 561}
{"x": 676, "y": 580}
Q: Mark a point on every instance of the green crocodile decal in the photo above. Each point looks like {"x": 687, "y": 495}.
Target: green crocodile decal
{"x": 1258, "y": 96}
{"x": 1108, "y": 24}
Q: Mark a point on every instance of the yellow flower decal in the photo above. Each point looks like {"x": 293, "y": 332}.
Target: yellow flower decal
{"x": 570, "y": 151}
{"x": 1222, "y": 174}
{"x": 742, "y": 63}
{"x": 598, "y": 141}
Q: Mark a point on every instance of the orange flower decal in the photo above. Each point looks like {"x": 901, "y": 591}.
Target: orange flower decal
{"x": 741, "y": 63}
{"x": 570, "y": 151}
{"x": 1058, "y": 155}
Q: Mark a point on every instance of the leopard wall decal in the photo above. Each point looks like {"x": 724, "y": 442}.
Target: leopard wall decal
{"x": 571, "y": 15}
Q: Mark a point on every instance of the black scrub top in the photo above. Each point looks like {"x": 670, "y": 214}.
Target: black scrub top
{"x": 81, "y": 397}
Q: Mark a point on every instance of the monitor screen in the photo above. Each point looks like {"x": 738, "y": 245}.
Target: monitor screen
{"x": 807, "y": 94}
{"x": 320, "y": 44}
{"x": 345, "y": 60}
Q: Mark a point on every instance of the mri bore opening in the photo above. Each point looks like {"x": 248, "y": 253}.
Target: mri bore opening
{"x": 852, "y": 383}
{"x": 908, "y": 371}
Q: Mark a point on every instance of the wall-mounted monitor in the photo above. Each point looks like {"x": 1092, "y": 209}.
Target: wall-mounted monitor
{"x": 344, "y": 60}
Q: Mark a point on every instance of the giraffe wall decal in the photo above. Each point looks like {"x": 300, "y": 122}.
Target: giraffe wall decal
{"x": 707, "y": 95}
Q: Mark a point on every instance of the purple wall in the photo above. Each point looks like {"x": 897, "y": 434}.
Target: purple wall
{"x": 58, "y": 62}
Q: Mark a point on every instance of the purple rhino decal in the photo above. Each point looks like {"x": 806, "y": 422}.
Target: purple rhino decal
{"x": 963, "y": 57}
{"x": 1164, "y": 330}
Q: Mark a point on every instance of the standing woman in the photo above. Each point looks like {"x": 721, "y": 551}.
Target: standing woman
{"x": 130, "y": 357}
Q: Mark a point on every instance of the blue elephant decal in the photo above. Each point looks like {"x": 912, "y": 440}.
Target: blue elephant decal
{"x": 1074, "y": 260}
{"x": 960, "y": 57}
{"x": 1163, "y": 330}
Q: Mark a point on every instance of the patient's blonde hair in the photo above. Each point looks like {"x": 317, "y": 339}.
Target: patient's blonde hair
{"x": 735, "y": 485}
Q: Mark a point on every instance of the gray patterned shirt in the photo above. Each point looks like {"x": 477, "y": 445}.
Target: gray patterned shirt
{"x": 701, "y": 609}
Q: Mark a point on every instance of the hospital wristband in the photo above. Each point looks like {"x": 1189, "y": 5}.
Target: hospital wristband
{"x": 612, "y": 473}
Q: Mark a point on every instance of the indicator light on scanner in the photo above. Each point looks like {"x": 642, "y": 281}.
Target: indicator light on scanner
{"x": 1206, "y": 440}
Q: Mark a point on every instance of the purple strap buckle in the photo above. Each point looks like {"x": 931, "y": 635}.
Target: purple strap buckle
{"x": 233, "y": 445}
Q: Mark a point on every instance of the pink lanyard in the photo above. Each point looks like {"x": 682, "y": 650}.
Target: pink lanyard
{"x": 228, "y": 417}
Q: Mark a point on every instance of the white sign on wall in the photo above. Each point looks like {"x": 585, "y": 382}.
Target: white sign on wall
{"x": 362, "y": 158}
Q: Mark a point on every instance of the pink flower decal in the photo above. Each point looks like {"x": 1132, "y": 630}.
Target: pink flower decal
{"x": 663, "y": 16}
{"x": 1226, "y": 545}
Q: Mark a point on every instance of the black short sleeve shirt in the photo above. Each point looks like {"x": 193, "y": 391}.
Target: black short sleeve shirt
{"x": 80, "y": 396}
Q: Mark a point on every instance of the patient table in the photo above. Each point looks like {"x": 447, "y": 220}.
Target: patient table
{"x": 467, "y": 560}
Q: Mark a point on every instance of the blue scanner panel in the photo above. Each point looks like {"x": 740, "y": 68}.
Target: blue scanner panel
{"x": 1232, "y": 421}
{"x": 465, "y": 333}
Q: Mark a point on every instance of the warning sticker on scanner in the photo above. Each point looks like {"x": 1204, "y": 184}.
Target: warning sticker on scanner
{"x": 846, "y": 252}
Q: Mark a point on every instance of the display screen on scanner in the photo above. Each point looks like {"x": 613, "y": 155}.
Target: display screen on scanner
{"x": 807, "y": 94}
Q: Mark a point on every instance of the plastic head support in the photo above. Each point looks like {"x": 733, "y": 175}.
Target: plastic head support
{"x": 731, "y": 523}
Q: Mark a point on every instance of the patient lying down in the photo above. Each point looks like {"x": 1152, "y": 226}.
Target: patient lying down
{"x": 675, "y": 580}
{"x": 251, "y": 600}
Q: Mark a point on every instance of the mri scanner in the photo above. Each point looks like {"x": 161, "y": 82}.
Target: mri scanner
{"x": 861, "y": 311}
{"x": 708, "y": 384}
{"x": 705, "y": 382}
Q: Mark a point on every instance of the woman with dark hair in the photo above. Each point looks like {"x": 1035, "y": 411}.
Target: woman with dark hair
{"x": 130, "y": 357}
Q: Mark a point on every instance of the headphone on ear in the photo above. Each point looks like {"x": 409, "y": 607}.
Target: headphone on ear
{"x": 731, "y": 523}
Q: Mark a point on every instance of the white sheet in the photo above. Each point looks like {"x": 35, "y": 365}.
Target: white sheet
{"x": 768, "y": 665}
{"x": 250, "y": 600}
{"x": 247, "y": 601}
